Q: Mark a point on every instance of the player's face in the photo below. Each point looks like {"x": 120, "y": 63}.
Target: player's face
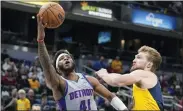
{"x": 66, "y": 63}
{"x": 140, "y": 61}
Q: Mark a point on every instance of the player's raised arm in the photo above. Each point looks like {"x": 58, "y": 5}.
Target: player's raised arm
{"x": 52, "y": 78}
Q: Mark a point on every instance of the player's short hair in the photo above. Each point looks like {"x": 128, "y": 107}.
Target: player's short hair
{"x": 56, "y": 56}
{"x": 153, "y": 56}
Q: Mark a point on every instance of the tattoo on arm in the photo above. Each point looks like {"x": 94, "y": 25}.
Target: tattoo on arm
{"x": 44, "y": 56}
{"x": 49, "y": 70}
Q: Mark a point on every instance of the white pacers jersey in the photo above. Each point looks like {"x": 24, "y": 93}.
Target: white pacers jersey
{"x": 78, "y": 95}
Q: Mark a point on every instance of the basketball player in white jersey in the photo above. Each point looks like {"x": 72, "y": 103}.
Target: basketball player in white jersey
{"x": 71, "y": 90}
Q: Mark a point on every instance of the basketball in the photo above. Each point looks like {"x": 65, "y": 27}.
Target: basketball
{"x": 53, "y": 14}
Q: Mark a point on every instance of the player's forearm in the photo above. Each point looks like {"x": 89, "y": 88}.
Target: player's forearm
{"x": 43, "y": 56}
{"x": 114, "y": 79}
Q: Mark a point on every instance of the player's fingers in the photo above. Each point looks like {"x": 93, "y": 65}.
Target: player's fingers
{"x": 45, "y": 25}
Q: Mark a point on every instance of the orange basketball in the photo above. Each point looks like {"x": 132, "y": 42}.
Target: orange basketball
{"x": 53, "y": 14}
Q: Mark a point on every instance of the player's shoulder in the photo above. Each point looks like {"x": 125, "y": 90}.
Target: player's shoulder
{"x": 141, "y": 72}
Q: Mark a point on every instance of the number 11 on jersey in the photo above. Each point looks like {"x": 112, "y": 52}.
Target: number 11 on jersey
{"x": 85, "y": 105}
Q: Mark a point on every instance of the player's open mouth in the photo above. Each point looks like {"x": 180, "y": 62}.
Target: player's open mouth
{"x": 67, "y": 62}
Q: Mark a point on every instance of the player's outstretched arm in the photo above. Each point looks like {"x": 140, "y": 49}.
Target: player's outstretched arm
{"x": 105, "y": 93}
{"x": 52, "y": 78}
{"x": 119, "y": 80}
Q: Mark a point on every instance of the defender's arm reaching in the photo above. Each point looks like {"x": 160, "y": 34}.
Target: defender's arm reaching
{"x": 119, "y": 80}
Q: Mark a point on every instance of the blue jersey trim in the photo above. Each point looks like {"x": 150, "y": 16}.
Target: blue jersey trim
{"x": 87, "y": 80}
{"x": 61, "y": 101}
{"x": 62, "y": 104}
{"x": 157, "y": 95}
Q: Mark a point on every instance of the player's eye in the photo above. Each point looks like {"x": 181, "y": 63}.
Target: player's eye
{"x": 61, "y": 58}
{"x": 68, "y": 56}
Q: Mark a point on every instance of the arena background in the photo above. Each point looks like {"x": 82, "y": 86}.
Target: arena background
{"x": 96, "y": 33}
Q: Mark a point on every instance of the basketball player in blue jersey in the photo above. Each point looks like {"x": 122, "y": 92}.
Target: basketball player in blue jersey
{"x": 71, "y": 90}
{"x": 146, "y": 87}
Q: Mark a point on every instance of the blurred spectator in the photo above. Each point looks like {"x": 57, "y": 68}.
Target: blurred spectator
{"x": 172, "y": 78}
{"x": 165, "y": 91}
{"x": 109, "y": 68}
{"x": 34, "y": 83}
{"x": 8, "y": 65}
{"x": 23, "y": 81}
{"x": 23, "y": 104}
{"x": 5, "y": 91}
{"x": 100, "y": 64}
{"x": 11, "y": 106}
{"x": 4, "y": 55}
{"x": 181, "y": 103}
{"x": 40, "y": 76}
{"x": 171, "y": 90}
{"x": 36, "y": 62}
{"x": 33, "y": 70}
{"x": 31, "y": 97}
{"x": 44, "y": 102}
{"x": 36, "y": 107}
{"x": 9, "y": 78}
{"x": 117, "y": 65}
{"x": 162, "y": 81}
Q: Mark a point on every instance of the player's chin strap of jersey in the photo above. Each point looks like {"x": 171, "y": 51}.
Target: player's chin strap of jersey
{"x": 118, "y": 104}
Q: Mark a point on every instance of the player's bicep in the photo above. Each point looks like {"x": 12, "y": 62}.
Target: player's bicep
{"x": 100, "y": 89}
{"x": 126, "y": 79}
{"x": 132, "y": 78}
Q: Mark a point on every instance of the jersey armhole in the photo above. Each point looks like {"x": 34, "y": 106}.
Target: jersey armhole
{"x": 61, "y": 102}
{"x": 66, "y": 88}
{"x": 88, "y": 81}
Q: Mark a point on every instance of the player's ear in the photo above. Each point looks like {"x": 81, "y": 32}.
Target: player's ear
{"x": 149, "y": 65}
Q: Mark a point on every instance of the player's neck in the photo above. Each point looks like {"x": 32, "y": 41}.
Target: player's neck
{"x": 147, "y": 69}
{"x": 71, "y": 76}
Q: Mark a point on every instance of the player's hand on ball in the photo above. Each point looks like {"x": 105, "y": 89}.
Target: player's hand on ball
{"x": 101, "y": 72}
{"x": 40, "y": 28}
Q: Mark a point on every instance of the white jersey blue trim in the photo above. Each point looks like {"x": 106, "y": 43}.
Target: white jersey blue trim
{"x": 78, "y": 95}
